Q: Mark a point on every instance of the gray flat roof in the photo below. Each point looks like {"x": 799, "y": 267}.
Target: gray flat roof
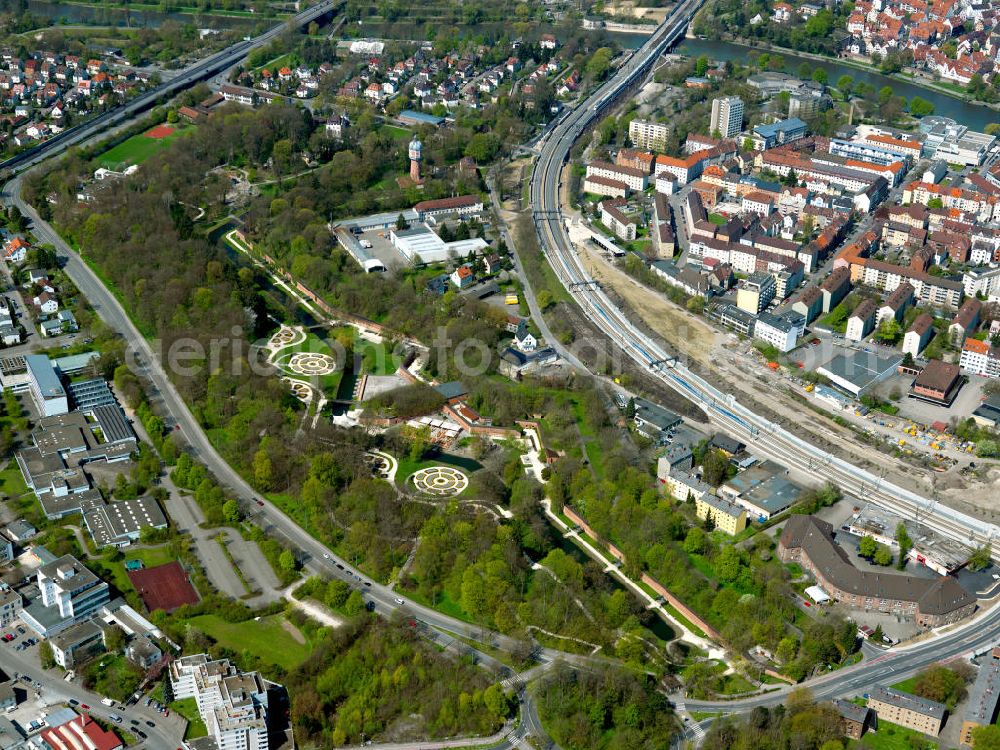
{"x": 41, "y": 370}
{"x": 861, "y": 368}
{"x": 982, "y": 703}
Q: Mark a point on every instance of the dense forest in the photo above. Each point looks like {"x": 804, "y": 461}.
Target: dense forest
{"x": 801, "y": 723}
{"x": 605, "y": 709}
{"x": 381, "y": 679}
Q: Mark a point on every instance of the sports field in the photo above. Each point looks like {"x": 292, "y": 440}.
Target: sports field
{"x": 140, "y": 147}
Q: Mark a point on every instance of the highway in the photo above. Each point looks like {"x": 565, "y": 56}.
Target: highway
{"x": 189, "y": 76}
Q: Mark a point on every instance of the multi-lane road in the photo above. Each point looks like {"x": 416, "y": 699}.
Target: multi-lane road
{"x": 199, "y": 71}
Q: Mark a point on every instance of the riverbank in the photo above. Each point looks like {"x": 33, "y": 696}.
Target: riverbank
{"x": 947, "y": 103}
{"x": 914, "y": 78}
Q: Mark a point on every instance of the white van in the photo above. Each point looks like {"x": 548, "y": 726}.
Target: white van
{"x": 107, "y": 701}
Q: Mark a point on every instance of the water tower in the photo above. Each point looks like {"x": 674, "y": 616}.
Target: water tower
{"x": 416, "y": 156}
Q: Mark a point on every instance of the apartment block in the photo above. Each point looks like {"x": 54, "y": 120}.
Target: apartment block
{"x": 648, "y": 135}
{"x": 897, "y": 707}
{"x": 727, "y": 116}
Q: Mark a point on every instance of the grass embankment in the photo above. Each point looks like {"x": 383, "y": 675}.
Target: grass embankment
{"x": 272, "y": 638}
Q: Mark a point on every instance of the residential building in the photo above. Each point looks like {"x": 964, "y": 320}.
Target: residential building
{"x": 11, "y": 605}
{"x": 727, "y": 516}
{"x": 648, "y": 135}
{"x": 635, "y": 179}
{"x": 597, "y": 185}
{"x": 614, "y": 219}
{"x": 835, "y": 287}
{"x": 463, "y": 277}
{"x": 980, "y": 358}
{"x": 895, "y": 304}
{"x": 235, "y": 706}
{"x": 862, "y": 321}
{"x": 524, "y": 339}
{"x": 854, "y": 719}
{"x": 756, "y": 293}
{"x": 965, "y": 321}
{"x": 809, "y": 303}
{"x": 727, "y": 116}
{"x": 142, "y": 652}
{"x": 907, "y": 710}
{"x": 809, "y": 541}
{"x": 918, "y": 335}
{"x": 684, "y": 486}
{"x": 781, "y": 331}
{"x": 981, "y": 704}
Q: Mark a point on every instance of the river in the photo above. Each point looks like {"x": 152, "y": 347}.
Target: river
{"x": 116, "y": 15}
{"x": 971, "y": 115}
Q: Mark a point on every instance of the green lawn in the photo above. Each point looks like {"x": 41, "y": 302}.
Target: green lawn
{"x": 400, "y": 134}
{"x": 891, "y": 737}
{"x": 189, "y": 710}
{"x": 377, "y": 358}
{"x": 313, "y": 345}
{"x": 138, "y": 148}
{"x": 11, "y": 482}
{"x": 907, "y": 686}
{"x": 717, "y": 219}
{"x": 267, "y": 639}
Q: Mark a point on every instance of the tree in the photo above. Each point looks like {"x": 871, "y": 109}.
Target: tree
{"x": 877, "y": 634}
{"x": 402, "y": 223}
{"x": 844, "y": 84}
{"x": 45, "y": 655}
{"x": 355, "y": 604}
{"x": 287, "y": 562}
{"x": 231, "y": 511}
{"x": 701, "y": 66}
{"x": 262, "y": 470}
{"x": 942, "y": 684}
{"x": 904, "y": 542}
{"x": 483, "y": 147}
{"x": 496, "y": 701}
{"x": 986, "y": 737}
{"x": 114, "y": 639}
{"x": 544, "y": 299}
{"x": 694, "y": 542}
{"x": 599, "y": 63}
{"x": 867, "y": 547}
{"x": 981, "y": 557}
{"x": 715, "y": 467}
{"x": 920, "y": 107}
{"x": 883, "y": 555}
{"x": 889, "y": 331}
{"x": 820, "y": 76}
